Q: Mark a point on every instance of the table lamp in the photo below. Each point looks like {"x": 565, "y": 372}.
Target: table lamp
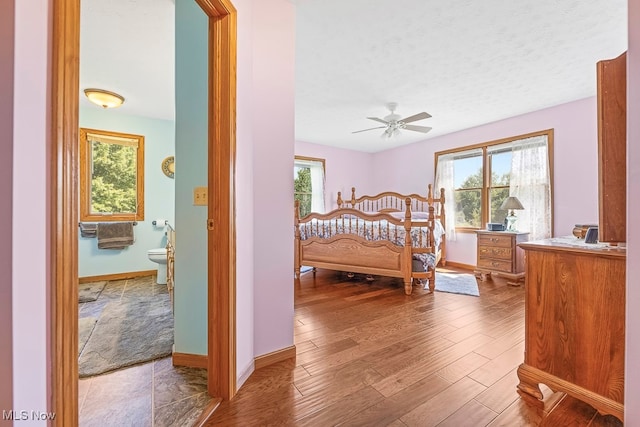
{"x": 511, "y": 203}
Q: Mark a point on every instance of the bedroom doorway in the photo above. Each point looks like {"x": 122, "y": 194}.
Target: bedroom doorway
{"x": 64, "y": 203}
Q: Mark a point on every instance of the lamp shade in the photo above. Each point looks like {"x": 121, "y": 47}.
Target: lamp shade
{"x": 104, "y": 98}
{"x": 511, "y": 202}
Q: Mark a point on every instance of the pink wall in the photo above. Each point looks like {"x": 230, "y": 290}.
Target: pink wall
{"x": 343, "y": 169}
{"x": 410, "y": 168}
{"x": 6, "y": 182}
{"x": 632, "y": 374}
{"x": 30, "y": 279}
{"x": 244, "y": 195}
{"x": 272, "y": 99}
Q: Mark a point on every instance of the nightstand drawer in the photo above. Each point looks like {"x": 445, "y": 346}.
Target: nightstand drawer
{"x": 495, "y": 239}
{"x": 494, "y": 252}
{"x": 495, "y": 264}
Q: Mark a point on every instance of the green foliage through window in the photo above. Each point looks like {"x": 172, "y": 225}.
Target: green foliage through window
{"x": 302, "y": 190}
{"x": 113, "y": 180}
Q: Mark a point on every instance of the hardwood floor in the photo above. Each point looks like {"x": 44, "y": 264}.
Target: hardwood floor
{"x": 368, "y": 355}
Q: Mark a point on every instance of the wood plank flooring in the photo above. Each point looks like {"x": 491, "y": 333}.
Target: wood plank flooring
{"x": 368, "y": 355}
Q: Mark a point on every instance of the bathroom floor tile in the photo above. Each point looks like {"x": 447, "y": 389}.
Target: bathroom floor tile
{"x": 151, "y": 394}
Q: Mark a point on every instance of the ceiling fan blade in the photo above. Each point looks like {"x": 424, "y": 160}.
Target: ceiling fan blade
{"x": 416, "y": 117}
{"x": 423, "y": 129}
{"x": 364, "y": 130}
{"x": 378, "y": 120}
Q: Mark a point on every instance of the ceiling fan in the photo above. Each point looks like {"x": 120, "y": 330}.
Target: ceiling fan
{"x": 393, "y": 123}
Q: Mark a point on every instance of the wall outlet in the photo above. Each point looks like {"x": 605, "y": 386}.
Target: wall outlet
{"x": 200, "y": 196}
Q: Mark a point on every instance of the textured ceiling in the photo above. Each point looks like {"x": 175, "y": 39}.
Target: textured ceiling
{"x": 466, "y": 62}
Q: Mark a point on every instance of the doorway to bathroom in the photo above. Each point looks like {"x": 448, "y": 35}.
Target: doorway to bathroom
{"x": 64, "y": 193}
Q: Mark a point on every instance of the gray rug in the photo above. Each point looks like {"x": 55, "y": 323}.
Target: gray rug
{"x": 457, "y": 283}
{"x": 127, "y": 333}
{"x": 90, "y": 291}
{"x": 85, "y": 327}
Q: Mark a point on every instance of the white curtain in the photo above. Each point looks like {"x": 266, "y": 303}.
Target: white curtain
{"x": 317, "y": 186}
{"x": 531, "y": 184}
{"x": 444, "y": 179}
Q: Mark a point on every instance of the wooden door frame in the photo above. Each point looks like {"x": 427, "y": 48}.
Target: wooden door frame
{"x": 65, "y": 81}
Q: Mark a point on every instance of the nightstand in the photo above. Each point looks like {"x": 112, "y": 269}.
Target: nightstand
{"x": 499, "y": 254}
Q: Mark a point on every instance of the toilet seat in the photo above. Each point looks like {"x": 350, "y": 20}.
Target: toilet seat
{"x": 158, "y": 251}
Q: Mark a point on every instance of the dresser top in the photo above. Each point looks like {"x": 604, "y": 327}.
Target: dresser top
{"x": 511, "y": 233}
{"x": 573, "y": 244}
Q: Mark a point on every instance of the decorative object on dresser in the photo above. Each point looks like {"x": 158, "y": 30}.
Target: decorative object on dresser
{"x": 499, "y": 254}
{"x": 580, "y": 230}
{"x": 575, "y": 322}
{"x": 511, "y": 203}
{"x": 612, "y": 149}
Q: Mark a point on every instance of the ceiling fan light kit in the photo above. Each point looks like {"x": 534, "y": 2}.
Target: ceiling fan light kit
{"x": 393, "y": 122}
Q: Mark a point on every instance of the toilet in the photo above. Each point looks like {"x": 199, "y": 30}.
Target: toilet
{"x": 159, "y": 256}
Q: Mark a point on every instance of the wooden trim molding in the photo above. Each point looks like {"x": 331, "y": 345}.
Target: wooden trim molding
{"x": 64, "y": 97}
{"x": 207, "y": 413}
{"x": 275, "y": 357}
{"x": 190, "y": 360}
{"x": 461, "y": 265}
{"x": 117, "y": 276}
{"x": 221, "y": 203}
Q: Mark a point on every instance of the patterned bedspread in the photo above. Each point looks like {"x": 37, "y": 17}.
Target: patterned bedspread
{"x": 377, "y": 230}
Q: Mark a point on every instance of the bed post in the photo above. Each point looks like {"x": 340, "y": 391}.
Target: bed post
{"x": 340, "y": 201}
{"x": 443, "y": 221}
{"x": 296, "y": 240}
{"x": 408, "y": 250}
{"x": 353, "y": 197}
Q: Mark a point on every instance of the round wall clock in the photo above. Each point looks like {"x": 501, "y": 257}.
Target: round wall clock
{"x": 168, "y": 166}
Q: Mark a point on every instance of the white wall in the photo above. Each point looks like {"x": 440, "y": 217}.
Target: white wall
{"x": 343, "y": 169}
{"x": 159, "y": 194}
{"x": 31, "y": 167}
{"x": 410, "y": 168}
{"x": 632, "y": 374}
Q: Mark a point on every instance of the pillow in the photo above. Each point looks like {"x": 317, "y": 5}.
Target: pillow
{"x": 414, "y": 215}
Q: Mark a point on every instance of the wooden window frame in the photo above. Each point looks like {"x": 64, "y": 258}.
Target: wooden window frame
{"x": 85, "y": 178}
{"x": 486, "y": 179}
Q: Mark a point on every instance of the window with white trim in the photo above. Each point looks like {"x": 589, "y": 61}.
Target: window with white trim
{"x": 308, "y": 183}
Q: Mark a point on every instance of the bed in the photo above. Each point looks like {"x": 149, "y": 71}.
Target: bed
{"x": 389, "y": 234}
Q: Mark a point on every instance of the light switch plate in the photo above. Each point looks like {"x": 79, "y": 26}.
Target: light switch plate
{"x": 200, "y": 196}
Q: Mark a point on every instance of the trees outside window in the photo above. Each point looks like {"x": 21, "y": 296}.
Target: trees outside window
{"x": 308, "y": 184}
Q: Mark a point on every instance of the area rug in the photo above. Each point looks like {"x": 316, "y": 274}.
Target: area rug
{"x": 127, "y": 333}
{"x": 85, "y": 327}
{"x": 90, "y": 291}
{"x": 457, "y": 283}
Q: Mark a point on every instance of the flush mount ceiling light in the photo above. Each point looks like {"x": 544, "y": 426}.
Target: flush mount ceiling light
{"x": 104, "y": 98}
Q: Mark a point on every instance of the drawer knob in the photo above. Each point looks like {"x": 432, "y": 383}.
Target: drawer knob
{"x": 494, "y": 239}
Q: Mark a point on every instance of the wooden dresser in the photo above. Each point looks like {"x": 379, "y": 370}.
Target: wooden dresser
{"x": 575, "y": 322}
{"x": 498, "y": 253}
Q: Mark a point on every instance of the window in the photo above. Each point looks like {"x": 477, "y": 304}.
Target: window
{"x": 477, "y": 179}
{"x": 308, "y": 184}
{"x": 111, "y": 176}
